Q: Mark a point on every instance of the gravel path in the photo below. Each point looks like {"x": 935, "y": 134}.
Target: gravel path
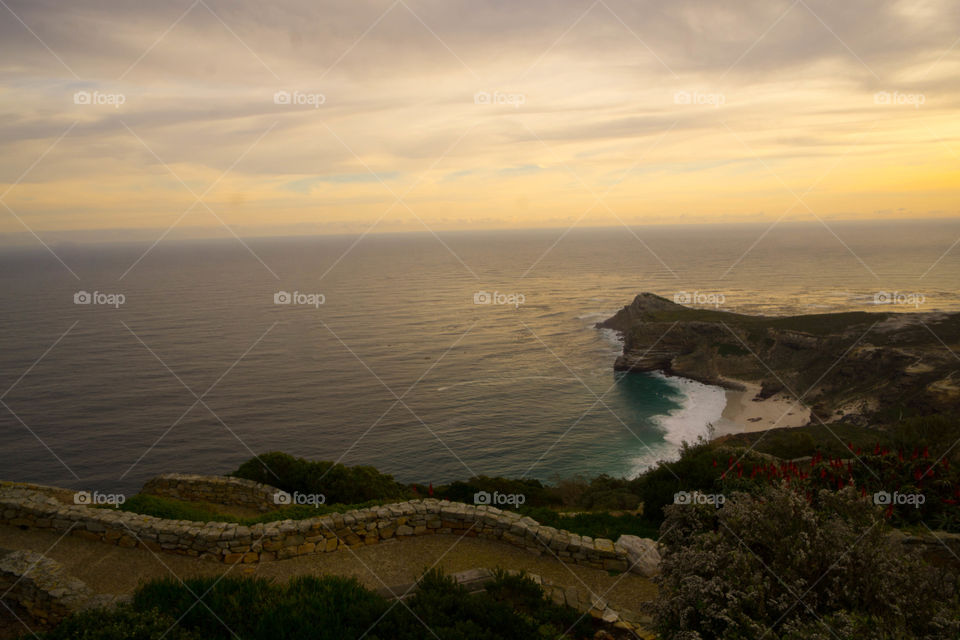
{"x": 110, "y": 569}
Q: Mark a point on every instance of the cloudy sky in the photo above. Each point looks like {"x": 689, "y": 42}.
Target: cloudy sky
{"x": 338, "y": 117}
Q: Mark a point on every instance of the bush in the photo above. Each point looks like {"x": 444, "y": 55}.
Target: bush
{"x": 326, "y": 608}
{"x": 770, "y": 565}
{"x": 698, "y": 469}
{"x": 338, "y": 483}
{"x": 533, "y": 491}
{"x": 123, "y": 623}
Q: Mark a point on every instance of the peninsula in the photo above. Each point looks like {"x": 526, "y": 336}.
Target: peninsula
{"x": 866, "y": 368}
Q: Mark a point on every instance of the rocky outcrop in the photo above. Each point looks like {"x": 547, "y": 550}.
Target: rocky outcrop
{"x": 643, "y": 555}
{"x": 222, "y": 490}
{"x": 877, "y": 363}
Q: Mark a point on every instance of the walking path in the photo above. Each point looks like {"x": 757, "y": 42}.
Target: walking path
{"x": 118, "y": 570}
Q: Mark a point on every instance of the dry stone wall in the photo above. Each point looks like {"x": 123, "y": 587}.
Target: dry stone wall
{"x": 40, "y": 588}
{"x": 214, "y": 489}
{"x": 21, "y": 505}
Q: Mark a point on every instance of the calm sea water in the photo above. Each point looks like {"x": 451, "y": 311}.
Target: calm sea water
{"x": 399, "y": 368}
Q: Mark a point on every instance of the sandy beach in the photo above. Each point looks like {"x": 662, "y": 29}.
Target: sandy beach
{"x": 746, "y": 412}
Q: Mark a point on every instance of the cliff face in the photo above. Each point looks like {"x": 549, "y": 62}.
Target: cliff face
{"x": 861, "y": 367}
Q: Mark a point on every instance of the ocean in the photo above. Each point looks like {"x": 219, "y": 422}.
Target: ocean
{"x": 430, "y": 357}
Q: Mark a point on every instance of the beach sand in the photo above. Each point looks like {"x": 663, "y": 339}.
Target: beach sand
{"x": 746, "y": 412}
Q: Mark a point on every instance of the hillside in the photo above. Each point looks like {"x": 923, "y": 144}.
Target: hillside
{"x": 859, "y": 367}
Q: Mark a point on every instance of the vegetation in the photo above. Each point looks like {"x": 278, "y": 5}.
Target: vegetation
{"x": 338, "y": 483}
{"x": 178, "y": 510}
{"x": 533, "y": 491}
{"x": 595, "y": 525}
{"x": 773, "y": 565}
{"x": 902, "y": 458}
{"x": 935, "y": 432}
{"x": 310, "y": 607}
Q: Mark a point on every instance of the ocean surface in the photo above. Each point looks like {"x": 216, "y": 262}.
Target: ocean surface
{"x": 432, "y": 358}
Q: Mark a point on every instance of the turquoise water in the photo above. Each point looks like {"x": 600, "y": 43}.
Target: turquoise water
{"x": 483, "y": 388}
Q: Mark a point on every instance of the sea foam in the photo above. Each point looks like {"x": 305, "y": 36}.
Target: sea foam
{"x": 701, "y": 406}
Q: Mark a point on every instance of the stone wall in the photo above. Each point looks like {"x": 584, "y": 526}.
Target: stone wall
{"x": 41, "y": 589}
{"x": 214, "y": 489}
{"x": 20, "y": 505}
{"x": 939, "y": 548}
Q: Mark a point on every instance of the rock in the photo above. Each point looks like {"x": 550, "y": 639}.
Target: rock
{"x": 643, "y": 554}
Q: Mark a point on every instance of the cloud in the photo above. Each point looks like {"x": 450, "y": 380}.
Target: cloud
{"x": 790, "y": 85}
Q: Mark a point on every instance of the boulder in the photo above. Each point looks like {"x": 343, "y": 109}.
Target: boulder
{"x": 643, "y": 554}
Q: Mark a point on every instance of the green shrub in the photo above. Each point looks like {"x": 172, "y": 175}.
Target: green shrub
{"x": 771, "y": 565}
{"x": 698, "y": 469}
{"x": 533, "y": 491}
{"x": 338, "y": 483}
{"x": 124, "y": 623}
{"x": 326, "y": 608}
{"x": 595, "y": 525}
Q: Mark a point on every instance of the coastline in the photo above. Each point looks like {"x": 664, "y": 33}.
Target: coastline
{"x": 746, "y": 412}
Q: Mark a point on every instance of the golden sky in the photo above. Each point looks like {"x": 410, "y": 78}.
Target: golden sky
{"x": 342, "y": 117}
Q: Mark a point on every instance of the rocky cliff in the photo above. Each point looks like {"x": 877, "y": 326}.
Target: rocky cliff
{"x": 860, "y": 367}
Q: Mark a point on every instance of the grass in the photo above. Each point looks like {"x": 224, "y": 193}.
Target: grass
{"x": 788, "y": 443}
{"x": 595, "y": 525}
{"x": 179, "y": 510}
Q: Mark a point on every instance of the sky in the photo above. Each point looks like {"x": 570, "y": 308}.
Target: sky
{"x": 123, "y": 118}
